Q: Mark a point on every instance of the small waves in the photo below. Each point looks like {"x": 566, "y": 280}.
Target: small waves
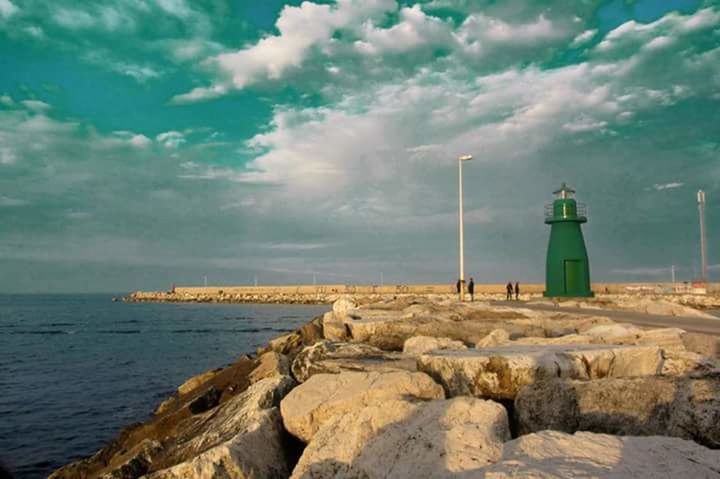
{"x": 46, "y": 332}
{"x": 228, "y": 330}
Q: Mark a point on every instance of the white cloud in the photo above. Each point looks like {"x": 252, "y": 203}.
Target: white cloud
{"x": 73, "y": 19}
{"x": 7, "y": 156}
{"x": 171, "y": 139}
{"x": 6, "y": 201}
{"x": 140, "y": 141}
{"x": 200, "y": 93}
{"x": 7, "y": 9}
{"x": 301, "y": 28}
{"x": 668, "y": 186}
{"x": 584, "y": 124}
{"x": 480, "y": 33}
{"x": 36, "y": 105}
{"x": 176, "y": 8}
{"x": 414, "y": 29}
{"x": 583, "y": 38}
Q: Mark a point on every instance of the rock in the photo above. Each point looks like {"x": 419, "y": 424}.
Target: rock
{"x": 165, "y": 406}
{"x": 570, "y": 339}
{"x": 606, "y": 333}
{"x": 205, "y": 401}
{"x": 334, "y": 329}
{"x": 418, "y": 345}
{"x": 196, "y": 381}
{"x": 556, "y": 455}
{"x": 388, "y": 329}
{"x": 497, "y": 337}
{"x": 668, "y": 406}
{"x": 686, "y": 363}
{"x": 270, "y": 364}
{"x": 343, "y": 306}
{"x": 286, "y": 344}
{"x": 242, "y": 438}
{"x": 403, "y": 439}
{"x": 138, "y": 464}
{"x": 704, "y": 344}
{"x": 501, "y": 372}
{"x": 326, "y": 357}
{"x": 323, "y": 396}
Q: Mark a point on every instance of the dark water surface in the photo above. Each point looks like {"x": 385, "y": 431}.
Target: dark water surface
{"x": 75, "y": 369}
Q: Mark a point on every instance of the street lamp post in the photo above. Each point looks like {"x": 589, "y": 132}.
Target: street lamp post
{"x": 460, "y": 224}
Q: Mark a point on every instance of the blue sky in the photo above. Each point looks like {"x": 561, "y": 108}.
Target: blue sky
{"x": 151, "y": 142}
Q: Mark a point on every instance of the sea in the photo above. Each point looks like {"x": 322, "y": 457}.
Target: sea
{"x": 76, "y": 369}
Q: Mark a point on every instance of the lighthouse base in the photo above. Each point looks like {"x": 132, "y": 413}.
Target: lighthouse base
{"x": 584, "y": 294}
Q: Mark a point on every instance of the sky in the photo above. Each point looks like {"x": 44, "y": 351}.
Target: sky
{"x": 145, "y": 143}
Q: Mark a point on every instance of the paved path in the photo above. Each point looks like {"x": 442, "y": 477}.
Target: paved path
{"x": 688, "y": 323}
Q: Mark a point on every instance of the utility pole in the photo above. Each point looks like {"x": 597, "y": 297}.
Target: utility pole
{"x": 255, "y": 280}
{"x": 381, "y": 279}
{"x": 205, "y": 280}
{"x": 460, "y": 225}
{"x": 703, "y": 251}
{"x": 672, "y": 273}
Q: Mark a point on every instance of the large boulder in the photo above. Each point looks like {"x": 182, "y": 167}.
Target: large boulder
{"x": 327, "y": 357}
{"x": 668, "y": 406}
{"x": 501, "y": 372}
{"x": 557, "y": 455}
{"x": 403, "y": 439}
{"x": 418, "y": 345}
{"x": 496, "y": 337}
{"x": 196, "y": 381}
{"x": 243, "y": 438}
{"x": 270, "y": 364}
{"x": 323, "y": 396}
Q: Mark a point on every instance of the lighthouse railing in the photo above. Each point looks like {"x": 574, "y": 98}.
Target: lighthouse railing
{"x": 581, "y": 211}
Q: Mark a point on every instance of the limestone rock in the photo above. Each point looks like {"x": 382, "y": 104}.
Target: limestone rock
{"x": 242, "y": 438}
{"x": 343, "y": 306}
{"x": 388, "y": 329}
{"x": 138, "y": 464}
{"x": 686, "y": 363}
{"x": 207, "y": 400}
{"x": 270, "y": 364}
{"x": 606, "y": 333}
{"x": 196, "y": 381}
{"x": 497, "y": 337}
{"x": 418, "y": 345}
{"x": 326, "y": 357}
{"x": 501, "y": 372}
{"x": 556, "y": 455}
{"x": 570, "y": 339}
{"x": 403, "y": 439}
{"x": 668, "y": 406}
{"x": 334, "y": 329}
{"x": 323, "y": 396}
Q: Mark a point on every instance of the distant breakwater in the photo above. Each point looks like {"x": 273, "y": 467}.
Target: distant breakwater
{"x": 327, "y": 294}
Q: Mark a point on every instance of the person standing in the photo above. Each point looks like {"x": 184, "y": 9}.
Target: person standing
{"x": 471, "y": 289}
{"x": 509, "y": 290}
{"x": 517, "y": 291}
{"x": 457, "y": 286}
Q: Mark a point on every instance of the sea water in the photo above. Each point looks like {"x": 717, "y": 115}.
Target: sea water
{"x": 75, "y": 369}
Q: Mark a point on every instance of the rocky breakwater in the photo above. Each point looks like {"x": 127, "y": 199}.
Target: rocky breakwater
{"x": 413, "y": 388}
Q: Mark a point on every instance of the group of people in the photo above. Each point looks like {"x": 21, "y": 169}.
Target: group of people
{"x": 471, "y": 289}
{"x": 510, "y": 290}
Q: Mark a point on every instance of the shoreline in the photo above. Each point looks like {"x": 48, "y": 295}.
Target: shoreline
{"x": 214, "y": 418}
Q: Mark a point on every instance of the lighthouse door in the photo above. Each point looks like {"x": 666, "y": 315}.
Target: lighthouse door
{"x": 573, "y": 275}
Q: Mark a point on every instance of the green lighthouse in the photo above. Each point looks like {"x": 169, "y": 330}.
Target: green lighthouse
{"x": 567, "y": 272}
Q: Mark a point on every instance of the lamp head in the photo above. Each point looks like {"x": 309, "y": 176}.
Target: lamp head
{"x": 465, "y": 157}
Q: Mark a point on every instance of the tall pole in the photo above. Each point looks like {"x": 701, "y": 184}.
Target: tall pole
{"x": 460, "y": 225}
{"x": 672, "y": 273}
{"x": 703, "y": 251}
{"x": 461, "y": 232}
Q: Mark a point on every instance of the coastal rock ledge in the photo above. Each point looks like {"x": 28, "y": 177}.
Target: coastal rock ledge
{"x": 418, "y": 388}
